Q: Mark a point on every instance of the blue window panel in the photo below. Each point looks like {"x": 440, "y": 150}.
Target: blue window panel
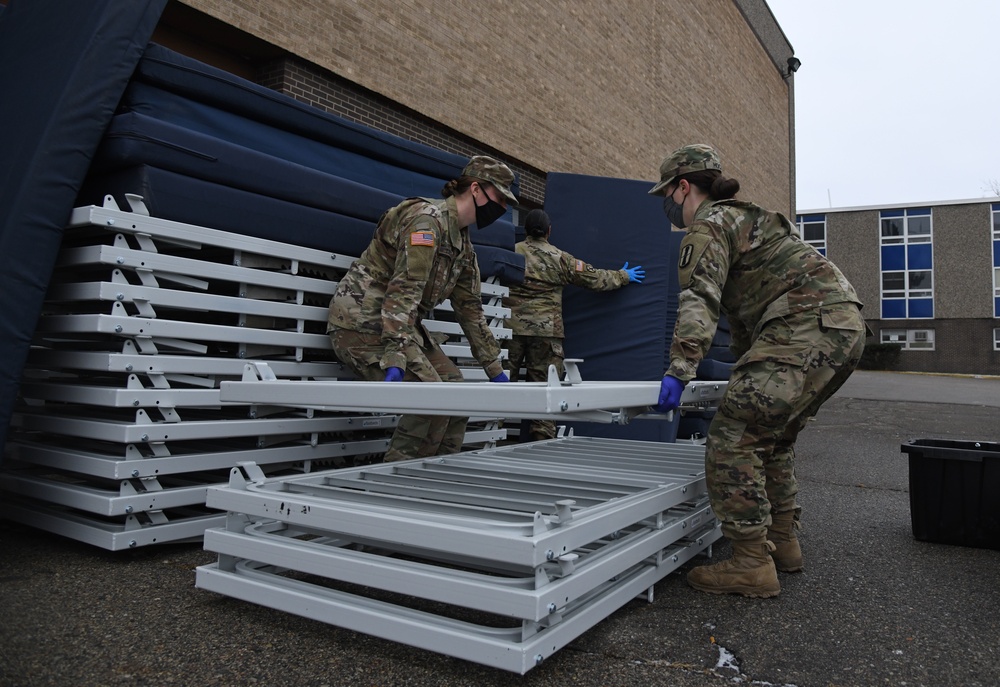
{"x": 891, "y": 213}
{"x": 893, "y": 309}
{"x": 996, "y": 207}
{"x": 812, "y": 218}
{"x": 996, "y": 307}
{"x": 893, "y": 258}
{"x": 918, "y": 211}
{"x": 921, "y": 307}
{"x": 920, "y": 256}
{"x": 822, "y": 251}
{"x": 996, "y": 253}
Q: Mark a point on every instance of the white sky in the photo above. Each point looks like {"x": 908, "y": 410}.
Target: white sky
{"x": 896, "y": 101}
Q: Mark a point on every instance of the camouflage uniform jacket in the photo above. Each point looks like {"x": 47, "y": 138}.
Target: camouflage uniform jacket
{"x": 749, "y": 263}
{"x": 536, "y": 305}
{"x": 418, "y": 257}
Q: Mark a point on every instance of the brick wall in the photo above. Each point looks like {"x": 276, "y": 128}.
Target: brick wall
{"x": 578, "y": 86}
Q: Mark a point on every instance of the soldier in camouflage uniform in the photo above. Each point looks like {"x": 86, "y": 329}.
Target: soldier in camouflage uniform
{"x": 420, "y": 256}
{"x": 798, "y": 333}
{"x": 536, "y": 305}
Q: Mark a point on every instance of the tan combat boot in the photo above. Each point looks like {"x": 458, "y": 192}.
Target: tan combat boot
{"x": 787, "y": 554}
{"x": 749, "y": 572}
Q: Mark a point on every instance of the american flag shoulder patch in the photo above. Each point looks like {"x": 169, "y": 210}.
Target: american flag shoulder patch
{"x": 422, "y": 238}
{"x": 579, "y": 265}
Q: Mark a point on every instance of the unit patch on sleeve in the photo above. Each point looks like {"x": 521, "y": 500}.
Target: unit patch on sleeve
{"x": 422, "y": 238}
{"x": 692, "y": 249}
{"x": 579, "y": 265}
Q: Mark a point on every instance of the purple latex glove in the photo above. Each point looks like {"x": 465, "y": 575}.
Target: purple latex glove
{"x": 393, "y": 374}
{"x": 502, "y": 377}
{"x": 670, "y": 394}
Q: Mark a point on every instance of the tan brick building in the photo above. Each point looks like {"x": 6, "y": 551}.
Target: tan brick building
{"x": 578, "y": 86}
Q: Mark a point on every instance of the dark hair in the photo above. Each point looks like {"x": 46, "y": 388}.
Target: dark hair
{"x": 537, "y": 224}
{"x": 457, "y": 186}
{"x": 713, "y": 183}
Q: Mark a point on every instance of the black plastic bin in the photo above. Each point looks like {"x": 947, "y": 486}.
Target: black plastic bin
{"x": 954, "y": 487}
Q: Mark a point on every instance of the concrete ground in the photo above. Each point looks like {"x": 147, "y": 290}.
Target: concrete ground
{"x": 873, "y": 607}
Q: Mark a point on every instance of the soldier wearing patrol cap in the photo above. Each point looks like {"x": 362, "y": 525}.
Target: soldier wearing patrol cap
{"x": 798, "y": 334}
{"x": 420, "y": 256}
{"x": 536, "y": 320}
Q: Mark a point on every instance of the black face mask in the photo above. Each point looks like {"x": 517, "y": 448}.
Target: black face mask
{"x": 489, "y": 212}
{"x": 675, "y": 211}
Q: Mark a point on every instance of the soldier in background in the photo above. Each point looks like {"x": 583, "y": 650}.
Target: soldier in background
{"x": 798, "y": 334}
{"x": 536, "y": 305}
{"x": 420, "y": 256}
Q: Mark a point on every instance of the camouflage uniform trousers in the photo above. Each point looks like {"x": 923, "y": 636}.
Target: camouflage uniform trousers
{"x": 750, "y": 451}
{"x": 536, "y": 353}
{"x": 416, "y": 436}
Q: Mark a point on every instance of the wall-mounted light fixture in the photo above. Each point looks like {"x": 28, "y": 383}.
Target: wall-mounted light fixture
{"x": 793, "y": 66}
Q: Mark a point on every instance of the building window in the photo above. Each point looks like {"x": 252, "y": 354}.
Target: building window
{"x": 907, "y": 256}
{"x": 812, "y": 230}
{"x": 996, "y": 339}
{"x": 996, "y": 261}
{"x": 910, "y": 339}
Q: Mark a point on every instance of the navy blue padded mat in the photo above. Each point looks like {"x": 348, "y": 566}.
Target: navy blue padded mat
{"x": 135, "y": 140}
{"x": 63, "y": 66}
{"x": 182, "y": 198}
{"x": 623, "y": 334}
{"x": 199, "y": 98}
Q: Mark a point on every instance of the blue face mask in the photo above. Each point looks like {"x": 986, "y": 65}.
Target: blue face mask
{"x": 675, "y": 211}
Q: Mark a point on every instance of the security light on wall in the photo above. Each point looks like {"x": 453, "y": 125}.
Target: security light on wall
{"x": 793, "y": 66}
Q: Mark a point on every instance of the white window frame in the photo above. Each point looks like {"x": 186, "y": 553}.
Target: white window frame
{"x": 911, "y": 339}
{"x": 996, "y": 339}
{"x": 907, "y": 292}
{"x": 800, "y": 227}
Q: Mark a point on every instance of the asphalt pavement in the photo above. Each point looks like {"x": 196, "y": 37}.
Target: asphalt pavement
{"x": 874, "y": 606}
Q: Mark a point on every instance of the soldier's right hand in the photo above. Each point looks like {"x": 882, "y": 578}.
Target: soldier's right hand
{"x": 393, "y": 374}
{"x": 671, "y": 389}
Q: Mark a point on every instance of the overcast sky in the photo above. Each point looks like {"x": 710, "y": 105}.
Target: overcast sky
{"x": 896, "y": 101}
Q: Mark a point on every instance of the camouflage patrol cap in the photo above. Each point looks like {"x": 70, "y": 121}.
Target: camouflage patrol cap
{"x": 692, "y": 158}
{"x": 494, "y": 172}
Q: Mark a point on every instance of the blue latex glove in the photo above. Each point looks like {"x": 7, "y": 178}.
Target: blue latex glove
{"x": 670, "y": 394}
{"x": 393, "y": 374}
{"x": 502, "y": 377}
{"x": 635, "y": 274}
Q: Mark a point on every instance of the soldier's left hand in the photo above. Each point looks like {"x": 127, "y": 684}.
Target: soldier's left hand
{"x": 635, "y": 274}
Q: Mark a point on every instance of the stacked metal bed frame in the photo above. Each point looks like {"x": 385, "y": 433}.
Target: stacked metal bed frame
{"x": 498, "y": 556}
{"x": 501, "y": 555}
{"x": 121, "y": 429}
